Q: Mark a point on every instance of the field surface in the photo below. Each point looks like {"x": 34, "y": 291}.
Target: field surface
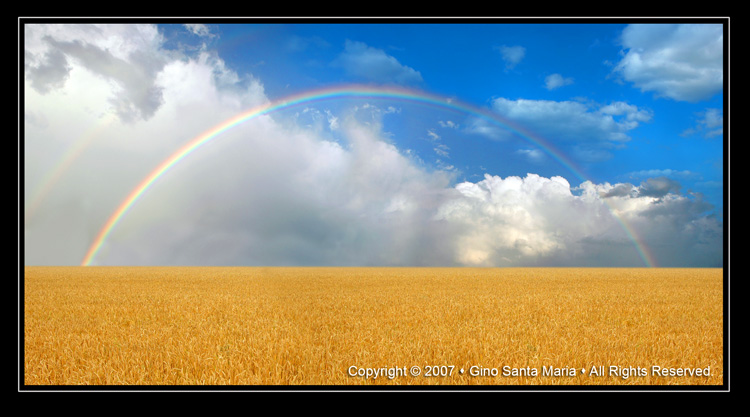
{"x": 354, "y": 326}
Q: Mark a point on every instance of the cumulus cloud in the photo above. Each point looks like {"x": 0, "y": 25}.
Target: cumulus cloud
{"x": 372, "y": 64}
{"x": 555, "y": 81}
{"x": 132, "y": 67}
{"x": 682, "y": 62}
{"x": 542, "y": 221}
{"x": 589, "y": 129}
{"x": 79, "y": 123}
{"x": 659, "y": 187}
{"x": 512, "y": 55}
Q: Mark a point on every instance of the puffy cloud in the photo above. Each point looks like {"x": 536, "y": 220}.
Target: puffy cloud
{"x": 544, "y": 221}
{"x": 372, "y": 64}
{"x": 512, "y": 55}
{"x": 659, "y": 187}
{"x": 555, "y": 81}
{"x": 682, "y": 62}
{"x": 132, "y": 65}
{"x": 589, "y": 129}
{"x": 277, "y": 196}
{"x": 77, "y": 125}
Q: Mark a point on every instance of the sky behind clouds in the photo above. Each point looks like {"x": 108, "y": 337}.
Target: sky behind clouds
{"x": 605, "y": 145}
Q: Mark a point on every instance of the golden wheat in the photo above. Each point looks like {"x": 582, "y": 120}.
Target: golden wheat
{"x": 278, "y": 326}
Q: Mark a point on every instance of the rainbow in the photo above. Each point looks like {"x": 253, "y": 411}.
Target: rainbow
{"x": 331, "y": 93}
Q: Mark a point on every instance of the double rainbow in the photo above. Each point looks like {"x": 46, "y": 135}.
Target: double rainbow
{"x": 331, "y": 93}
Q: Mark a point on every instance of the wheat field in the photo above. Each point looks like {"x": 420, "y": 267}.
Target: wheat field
{"x": 362, "y": 326}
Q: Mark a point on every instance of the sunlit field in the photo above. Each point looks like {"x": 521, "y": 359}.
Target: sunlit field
{"x": 359, "y": 326}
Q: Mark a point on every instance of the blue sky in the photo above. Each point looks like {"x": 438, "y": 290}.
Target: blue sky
{"x": 476, "y": 63}
{"x": 637, "y": 109}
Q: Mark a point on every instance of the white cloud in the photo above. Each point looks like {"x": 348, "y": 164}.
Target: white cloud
{"x": 333, "y": 121}
{"x": 712, "y": 122}
{"x": 555, "y": 81}
{"x": 671, "y": 173}
{"x": 199, "y": 30}
{"x": 590, "y": 130}
{"x": 80, "y": 124}
{"x": 480, "y": 126}
{"x": 362, "y": 61}
{"x": 132, "y": 66}
{"x": 442, "y": 150}
{"x": 532, "y": 155}
{"x": 713, "y": 118}
{"x": 682, "y": 62}
{"x": 512, "y": 55}
{"x": 449, "y": 124}
{"x": 544, "y": 221}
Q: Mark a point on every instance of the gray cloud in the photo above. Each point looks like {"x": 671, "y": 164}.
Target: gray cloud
{"x": 621, "y": 190}
{"x": 658, "y": 187}
{"x": 140, "y": 97}
{"x": 48, "y": 74}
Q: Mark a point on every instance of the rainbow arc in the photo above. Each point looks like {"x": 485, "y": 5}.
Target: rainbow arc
{"x": 334, "y": 93}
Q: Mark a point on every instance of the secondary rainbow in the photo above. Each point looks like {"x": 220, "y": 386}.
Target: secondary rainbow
{"x": 340, "y": 92}
{"x": 69, "y": 157}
